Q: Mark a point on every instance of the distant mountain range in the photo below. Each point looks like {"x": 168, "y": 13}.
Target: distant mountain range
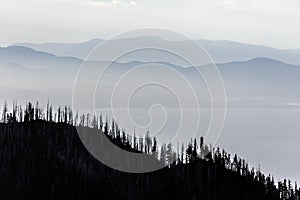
{"x": 35, "y": 59}
{"x": 259, "y": 82}
{"x": 78, "y": 50}
{"x": 221, "y": 51}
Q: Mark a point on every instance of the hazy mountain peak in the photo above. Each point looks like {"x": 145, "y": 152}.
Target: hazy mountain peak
{"x": 264, "y": 60}
{"x": 259, "y": 61}
{"x": 221, "y": 51}
{"x": 18, "y": 49}
{"x": 92, "y": 41}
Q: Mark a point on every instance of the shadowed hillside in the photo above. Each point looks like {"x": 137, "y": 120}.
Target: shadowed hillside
{"x": 42, "y": 157}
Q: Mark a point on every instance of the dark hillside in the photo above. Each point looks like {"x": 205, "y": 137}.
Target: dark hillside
{"x": 46, "y": 160}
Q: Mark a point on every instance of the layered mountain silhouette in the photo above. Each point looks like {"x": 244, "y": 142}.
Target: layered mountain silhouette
{"x": 221, "y": 51}
{"x": 248, "y": 83}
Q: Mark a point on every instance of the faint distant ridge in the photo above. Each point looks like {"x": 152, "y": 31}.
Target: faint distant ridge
{"x": 78, "y": 50}
{"x": 259, "y": 82}
{"x": 221, "y": 51}
{"x": 35, "y": 59}
{"x": 260, "y": 61}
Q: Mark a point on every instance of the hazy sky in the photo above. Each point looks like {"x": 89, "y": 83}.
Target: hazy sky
{"x": 268, "y": 22}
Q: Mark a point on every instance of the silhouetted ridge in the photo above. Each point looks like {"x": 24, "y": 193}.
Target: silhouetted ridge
{"x": 42, "y": 157}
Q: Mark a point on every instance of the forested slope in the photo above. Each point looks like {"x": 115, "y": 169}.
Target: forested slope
{"x": 42, "y": 158}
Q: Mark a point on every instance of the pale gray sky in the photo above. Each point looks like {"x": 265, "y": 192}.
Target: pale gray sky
{"x": 268, "y": 22}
